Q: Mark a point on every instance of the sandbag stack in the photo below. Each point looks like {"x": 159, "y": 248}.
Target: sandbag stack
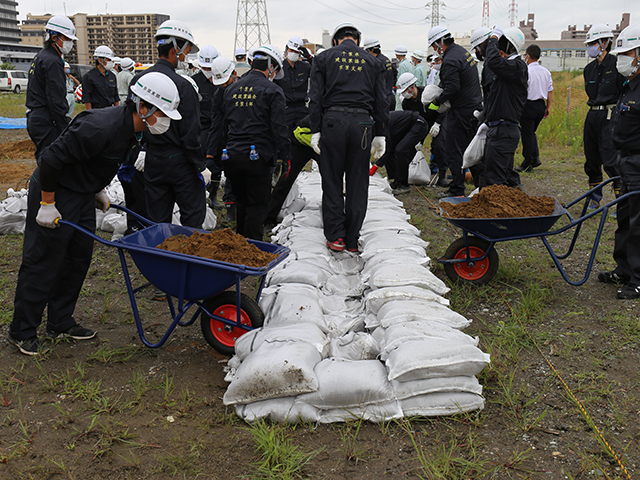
{"x": 354, "y": 336}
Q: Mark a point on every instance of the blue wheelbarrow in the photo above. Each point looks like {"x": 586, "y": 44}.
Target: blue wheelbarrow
{"x": 473, "y": 259}
{"x": 190, "y": 280}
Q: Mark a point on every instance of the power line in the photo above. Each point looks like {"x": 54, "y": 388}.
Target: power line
{"x": 392, "y": 23}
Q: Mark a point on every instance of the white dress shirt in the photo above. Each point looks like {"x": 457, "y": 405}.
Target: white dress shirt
{"x": 540, "y": 82}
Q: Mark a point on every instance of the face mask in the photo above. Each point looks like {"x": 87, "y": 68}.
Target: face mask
{"x": 162, "y": 125}
{"x": 293, "y": 56}
{"x": 207, "y": 73}
{"x": 593, "y": 50}
{"x": 109, "y": 65}
{"x": 437, "y": 66}
{"x": 67, "y": 71}
{"x": 67, "y": 45}
{"x": 624, "y": 66}
{"x": 407, "y": 94}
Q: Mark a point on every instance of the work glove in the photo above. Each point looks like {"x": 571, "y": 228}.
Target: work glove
{"x": 125, "y": 173}
{"x": 315, "y": 142}
{"x": 304, "y": 53}
{"x": 482, "y": 131}
{"x": 497, "y": 32}
{"x": 435, "y": 130}
{"x": 378, "y": 147}
{"x": 103, "y": 202}
{"x": 477, "y": 113}
{"x": 205, "y": 177}
{"x": 433, "y": 106}
{"x": 47, "y": 215}
{"x": 139, "y": 164}
{"x": 418, "y": 147}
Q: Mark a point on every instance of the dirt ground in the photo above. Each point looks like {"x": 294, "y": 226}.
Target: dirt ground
{"x": 111, "y": 408}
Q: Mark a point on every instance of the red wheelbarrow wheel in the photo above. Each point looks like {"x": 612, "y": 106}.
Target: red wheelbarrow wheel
{"x": 223, "y": 337}
{"x": 477, "y": 273}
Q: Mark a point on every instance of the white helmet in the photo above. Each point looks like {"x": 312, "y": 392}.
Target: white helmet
{"x": 598, "y": 31}
{"x": 401, "y": 50}
{"x": 515, "y": 36}
{"x": 479, "y": 35}
{"x": 240, "y": 52}
{"x": 295, "y": 43}
{"x": 176, "y": 29}
{"x": 61, "y": 24}
{"x": 117, "y": 60}
{"x": 436, "y": 33}
{"x": 158, "y": 90}
{"x": 66, "y": 65}
{"x": 127, "y": 63}
{"x": 405, "y": 81}
{"x": 103, "y": 52}
{"x": 371, "y": 42}
{"x": 346, "y": 26}
{"x": 272, "y": 53}
{"x": 207, "y": 55}
{"x": 250, "y": 53}
{"x": 628, "y": 39}
{"x": 418, "y": 55}
{"x": 221, "y": 68}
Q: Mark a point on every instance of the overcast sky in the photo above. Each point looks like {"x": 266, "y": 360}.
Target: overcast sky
{"x": 392, "y": 21}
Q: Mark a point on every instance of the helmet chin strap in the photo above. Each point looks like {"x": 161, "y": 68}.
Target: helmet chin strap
{"x": 151, "y": 111}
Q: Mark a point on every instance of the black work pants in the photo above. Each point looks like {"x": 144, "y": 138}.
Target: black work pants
{"x": 502, "y": 141}
{"x": 346, "y": 148}
{"x": 438, "y": 149}
{"x": 401, "y": 151}
{"x": 627, "y": 237}
{"x": 134, "y": 197}
{"x": 54, "y": 263}
{"x": 598, "y": 147}
{"x": 169, "y": 178}
{"x": 460, "y": 128}
{"x": 42, "y": 129}
{"x": 532, "y": 115}
{"x": 251, "y": 181}
{"x": 300, "y": 155}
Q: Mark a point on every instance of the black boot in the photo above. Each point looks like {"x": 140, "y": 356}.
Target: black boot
{"x": 231, "y": 212}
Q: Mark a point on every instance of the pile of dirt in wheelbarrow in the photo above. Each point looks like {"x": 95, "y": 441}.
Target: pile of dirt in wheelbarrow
{"x": 222, "y": 245}
{"x": 500, "y": 201}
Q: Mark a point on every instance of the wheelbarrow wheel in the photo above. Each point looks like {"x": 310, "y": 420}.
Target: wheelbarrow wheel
{"x": 481, "y": 271}
{"x": 223, "y": 337}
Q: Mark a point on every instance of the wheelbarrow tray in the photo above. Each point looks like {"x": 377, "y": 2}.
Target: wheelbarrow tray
{"x": 187, "y": 276}
{"x": 497, "y": 228}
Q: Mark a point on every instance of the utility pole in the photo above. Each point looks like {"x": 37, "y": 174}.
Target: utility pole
{"x": 485, "y": 14}
{"x": 513, "y": 13}
{"x": 435, "y": 16}
{"x": 252, "y": 24}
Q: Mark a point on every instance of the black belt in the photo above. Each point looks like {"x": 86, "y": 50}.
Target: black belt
{"x": 347, "y": 110}
{"x": 537, "y": 100}
{"x": 629, "y": 153}
{"x": 502, "y": 122}
{"x": 602, "y": 107}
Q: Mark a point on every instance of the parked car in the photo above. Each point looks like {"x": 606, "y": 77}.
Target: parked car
{"x": 78, "y": 70}
{"x": 13, "y": 80}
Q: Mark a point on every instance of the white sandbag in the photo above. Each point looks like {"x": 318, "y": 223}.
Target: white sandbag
{"x": 430, "y": 93}
{"x": 377, "y": 413}
{"x": 419, "y": 171}
{"x": 271, "y": 293}
{"x": 404, "y": 390}
{"x": 474, "y": 152}
{"x": 390, "y": 275}
{"x": 340, "y": 304}
{"x": 339, "y": 324}
{"x": 394, "y": 336}
{"x": 436, "y": 404}
{"x": 13, "y": 212}
{"x": 312, "y": 271}
{"x": 390, "y": 240}
{"x": 282, "y": 369}
{"x": 305, "y": 218}
{"x": 253, "y": 339}
{"x": 400, "y": 311}
{"x": 293, "y": 306}
{"x": 296, "y": 206}
{"x": 346, "y": 384}
{"x": 343, "y": 285}
{"x": 354, "y": 346}
{"x": 377, "y": 298}
{"x": 432, "y": 358}
{"x": 397, "y": 225}
{"x": 115, "y": 222}
{"x": 309, "y": 246}
{"x": 347, "y": 264}
{"x": 210, "y": 219}
{"x": 281, "y": 410}
{"x": 381, "y": 215}
{"x": 402, "y": 258}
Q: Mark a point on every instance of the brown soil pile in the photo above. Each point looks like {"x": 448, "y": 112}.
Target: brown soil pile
{"x": 221, "y": 245}
{"x": 18, "y": 150}
{"x": 500, "y": 201}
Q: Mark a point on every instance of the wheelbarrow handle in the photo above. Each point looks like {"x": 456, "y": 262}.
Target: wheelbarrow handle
{"x": 133, "y": 214}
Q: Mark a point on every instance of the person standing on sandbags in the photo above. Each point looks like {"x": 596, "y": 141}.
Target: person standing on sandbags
{"x": 348, "y": 107}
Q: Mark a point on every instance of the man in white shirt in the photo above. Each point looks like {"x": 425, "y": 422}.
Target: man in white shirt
{"x": 535, "y": 110}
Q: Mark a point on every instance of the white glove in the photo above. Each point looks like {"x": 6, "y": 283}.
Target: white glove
{"x": 103, "y": 202}
{"x": 206, "y": 175}
{"x": 378, "y": 147}
{"x": 497, "y": 32}
{"x": 477, "y": 113}
{"x": 430, "y": 93}
{"x": 315, "y": 142}
{"x": 418, "y": 147}
{"x": 47, "y": 216}
{"x": 435, "y": 130}
{"x": 482, "y": 131}
{"x": 140, "y": 161}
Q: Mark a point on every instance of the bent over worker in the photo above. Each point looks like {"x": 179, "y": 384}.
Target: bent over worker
{"x": 69, "y": 184}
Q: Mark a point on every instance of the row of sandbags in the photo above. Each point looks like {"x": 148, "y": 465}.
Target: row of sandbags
{"x": 354, "y": 336}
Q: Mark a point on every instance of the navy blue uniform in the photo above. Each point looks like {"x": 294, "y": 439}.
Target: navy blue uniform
{"x": 348, "y": 106}
{"x": 216, "y": 141}
{"x": 175, "y": 158}
{"x": 46, "y": 98}
{"x": 80, "y": 163}
{"x": 603, "y": 85}
{"x": 625, "y": 127}
{"x": 503, "y": 109}
{"x": 461, "y": 86}
{"x": 295, "y": 85}
{"x": 100, "y": 90}
{"x": 207, "y": 90}
{"x": 389, "y": 80}
{"x": 254, "y": 114}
